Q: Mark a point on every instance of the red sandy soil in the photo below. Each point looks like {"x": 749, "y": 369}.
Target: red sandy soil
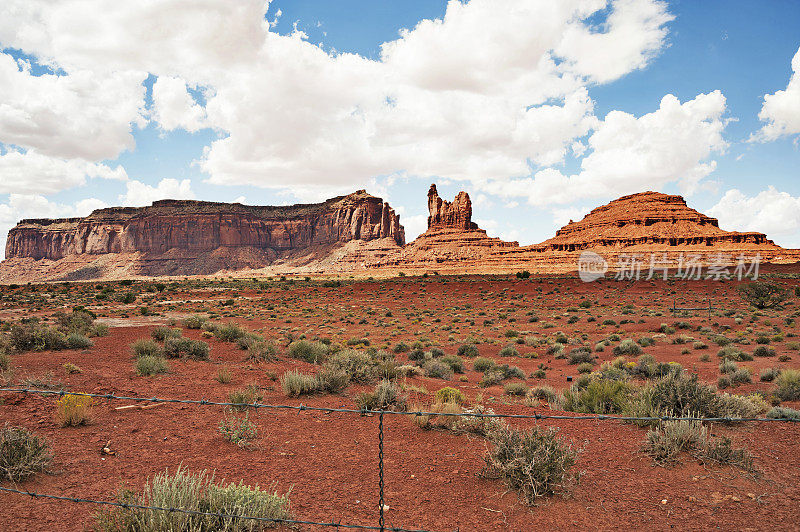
{"x": 329, "y": 461}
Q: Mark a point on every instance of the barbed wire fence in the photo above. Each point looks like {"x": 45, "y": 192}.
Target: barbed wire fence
{"x": 381, "y": 472}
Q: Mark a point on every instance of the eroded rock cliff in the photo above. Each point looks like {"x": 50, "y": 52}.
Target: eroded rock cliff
{"x": 205, "y": 226}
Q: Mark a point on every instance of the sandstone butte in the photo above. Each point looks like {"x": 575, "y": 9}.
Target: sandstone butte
{"x": 358, "y": 234}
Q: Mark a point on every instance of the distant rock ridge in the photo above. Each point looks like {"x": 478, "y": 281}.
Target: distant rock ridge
{"x": 354, "y": 233}
{"x": 205, "y": 226}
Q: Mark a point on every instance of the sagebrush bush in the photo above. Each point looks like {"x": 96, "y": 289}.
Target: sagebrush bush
{"x": 150, "y": 365}
{"x": 22, "y": 454}
{"x": 313, "y": 352}
{"x": 628, "y": 347}
{"x": 146, "y": 348}
{"x": 448, "y": 394}
{"x": 78, "y": 341}
{"x": 387, "y": 395}
{"x": 535, "y": 462}
{"x": 161, "y": 333}
{"x": 782, "y": 412}
{"x": 601, "y": 396}
{"x": 358, "y": 365}
{"x": 515, "y": 388}
{"x": 229, "y": 332}
{"x": 33, "y": 336}
{"x": 186, "y": 347}
{"x": 763, "y": 351}
{"x": 545, "y": 393}
{"x": 667, "y": 441}
{"x": 581, "y": 355}
{"x": 788, "y": 382}
{"x": 733, "y": 353}
{"x": 196, "y": 493}
{"x": 73, "y": 410}
{"x": 262, "y": 350}
{"x": 242, "y": 398}
{"x": 483, "y": 364}
{"x": 194, "y": 322}
{"x": 333, "y": 380}
{"x": 467, "y": 350}
{"x": 295, "y": 384}
{"x": 437, "y": 370}
{"x": 455, "y": 362}
{"x": 508, "y": 351}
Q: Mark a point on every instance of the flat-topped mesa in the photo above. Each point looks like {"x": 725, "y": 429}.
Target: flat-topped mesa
{"x": 442, "y": 213}
{"x": 647, "y": 218}
{"x": 206, "y": 226}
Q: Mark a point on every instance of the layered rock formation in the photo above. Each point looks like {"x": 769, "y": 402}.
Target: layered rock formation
{"x": 646, "y": 218}
{"x": 355, "y": 233}
{"x": 205, "y": 226}
{"x": 170, "y": 235}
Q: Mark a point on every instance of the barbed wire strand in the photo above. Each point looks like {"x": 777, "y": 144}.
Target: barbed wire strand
{"x": 134, "y": 506}
{"x": 302, "y": 407}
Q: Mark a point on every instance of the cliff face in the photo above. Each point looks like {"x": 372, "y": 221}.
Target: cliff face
{"x": 205, "y": 226}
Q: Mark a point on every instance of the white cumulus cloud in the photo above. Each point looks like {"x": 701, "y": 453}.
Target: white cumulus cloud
{"x": 775, "y": 213}
{"x": 174, "y": 107}
{"x": 139, "y": 194}
{"x": 781, "y": 110}
{"x": 30, "y": 172}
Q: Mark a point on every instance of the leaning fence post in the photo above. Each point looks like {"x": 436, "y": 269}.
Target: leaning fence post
{"x": 380, "y": 470}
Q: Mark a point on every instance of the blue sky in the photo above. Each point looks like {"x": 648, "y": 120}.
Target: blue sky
{"x": 301, "y": 102}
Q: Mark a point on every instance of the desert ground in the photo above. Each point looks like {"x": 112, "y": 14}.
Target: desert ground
{"x": 435, "y": 477}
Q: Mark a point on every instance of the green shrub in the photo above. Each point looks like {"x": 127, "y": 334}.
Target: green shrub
{"x": 601, "y": 396}
{"x": 678, "y": 394}
{"x": 333, "y": 380}
{"x": 313, "y": 352}
{"x": 229, "y": 332}
{"x": 667, "y": 441}
{"x": 535, "y": 462}
{"x": 22, "y": 454}
{"x": 78, "y": 341}
{"x": 146, "y": 348}
{"x": 455, "y": 362}
{"x": 194, "y": 322}
{"x": 769, "y": 374}
{"x": 585, "y": 367}
{"x": 360, "y": 366}
{"x": 545, "y": 393}
{"x": 483, "y": 364}
{"x": 33, "y": 336}
{"x": 467, "y": 350}
{"x": 242, "y": 398}
{"x": 385, "y": 397}
{"x": 150, "y": 365}
{"x": 763, "y": 351}
{"x": 491, "y": 377}
{"x": 515, "y": 388}
{"x": 186, "y": 347}
{"x": 195, "y": 493}
{"x": 581, "y": 355}
{"x": 732, "y": 353}
{"x": 437, "y": 370}
{"x": 508, "y": 351}
{"x": 449, "y": 394}
{"x": 781, "y": 412}
{"x": 295, "y": 384}
{"x": 788, "y": 382}
{"x": 763, "y": 295}
{"x": 627, "y": 347}
{"x": 262, "y": 350}
{"x": 161, "y": 333}
{"x": 238, "y": 430}
{"x": 401, "y": 348}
